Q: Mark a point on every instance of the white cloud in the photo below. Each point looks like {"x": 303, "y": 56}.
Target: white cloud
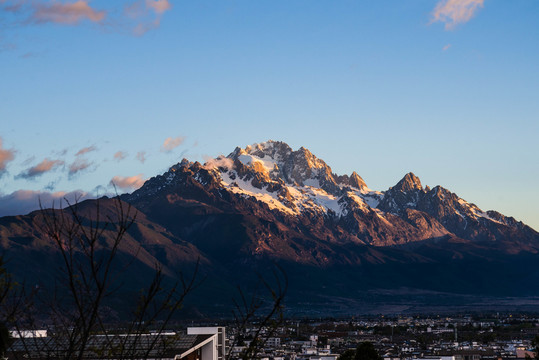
{"x": 454, "y": 12}
{"x": 221, "y": 161}
{"x": 128, "y": 183}
{"x": 171, "y": 143}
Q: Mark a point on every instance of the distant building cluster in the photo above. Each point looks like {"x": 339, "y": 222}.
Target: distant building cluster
{"x": 401, "y": 338}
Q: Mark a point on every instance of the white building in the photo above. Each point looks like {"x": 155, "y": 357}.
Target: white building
{"x": 210, "y": 344}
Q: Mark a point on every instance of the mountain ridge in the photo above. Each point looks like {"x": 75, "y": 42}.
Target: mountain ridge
{"x": 267, "y": 203}
{"x": 297, "y": 183}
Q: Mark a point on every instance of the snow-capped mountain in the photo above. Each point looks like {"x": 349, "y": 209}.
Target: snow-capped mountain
{"x": 297, "y": 187}
{"x": 334, "y": 237}
{"x": 290, "y": 182}
{"x": 293, "y": 182}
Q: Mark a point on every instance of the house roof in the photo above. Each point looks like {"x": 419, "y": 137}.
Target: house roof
{"x": 108, "y": 346}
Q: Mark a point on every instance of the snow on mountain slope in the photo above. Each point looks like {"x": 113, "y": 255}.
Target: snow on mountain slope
{"x": 293, "y": 181}
{"x": 296, "y": 182}
{"x": 298, "y": 186}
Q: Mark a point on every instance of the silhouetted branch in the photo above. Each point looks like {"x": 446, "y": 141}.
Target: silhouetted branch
{"x": 268, "y": 318}
{"x": 89, "y": 242}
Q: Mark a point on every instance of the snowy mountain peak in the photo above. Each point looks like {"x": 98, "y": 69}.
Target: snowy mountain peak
{"x": 279, "y": 161}
{"x": 409, "y": 182}
{"x": 291, "y": 181}
{"x": 270, "y": 179}
{"x": 353, "y": 180}
{"x": 274, "y": 150}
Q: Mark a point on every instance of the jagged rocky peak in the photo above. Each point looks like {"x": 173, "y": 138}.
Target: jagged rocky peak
{"x": 299, "y": 167}
{"x": 274, "y": 150}
{"x": 302, "y": 166}
{"x": 408, "y": 183}
{"x": 357, "y": 181}
{"x": 277, "y": 161}
{"x": 185, "y": 163}
{"x": 353, "y": 180}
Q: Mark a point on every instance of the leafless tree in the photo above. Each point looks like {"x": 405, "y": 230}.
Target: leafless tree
{"x": 90, "y": 274}
{"x": 90, "y": 242}
{"x": 261, "y": 313}
{"x": 6, "y": 285}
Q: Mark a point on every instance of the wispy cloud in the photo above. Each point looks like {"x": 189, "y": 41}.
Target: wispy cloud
{"x": 43, "y": 167}
{"x": 7, "y": 46}
{"x": 141, "y": 156}
{"x": 62, "y": 152}
{"x": 23, "y": 201}
{"x": 58, "y": 12}
{"x": 171, "y": 143}
{"x": 12, "y": 6}
{"x": 138, "y": 17}
{"x": 66, "y": 13}
{"x": 159, "y": 6}
{"x": 5, "y": 157}
{"x": 128, "y": 183}
{"x": 86, "y": 150}
{"x": 120, "y": 155}
{"x": 454, "y": 12}
{"x": 28, "y": 161}
{"x": 445, "y": 48}
{"x": 146, "y": 14}
{"x": 77, "y": 166}
{"x": 221, "y": 162}
{"x": 29, "y": 55}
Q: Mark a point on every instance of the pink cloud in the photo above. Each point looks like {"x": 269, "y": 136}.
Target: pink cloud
{"x": 78, "y": 165}
{"x": 445, "y": 48}
{"x": 68, "y": 13}
{"x": 23, "y": 201}
{"x": 141, "y": 156}
{"x": 141, "y": 15}
{"x": 134, "y": 10}
{"x": 159, "y": 6}
{"x": 45, "y": 166}
{"x": 5, "y": 157}
{"x": 86, "y": 150}
{"x": 120, "y": 155}
{"x": 147, "y": 14}
{"x": 143, "y": 27}
{"x": 128, "y": 183}
{"x": 171, "y": 143}
{"x": 454, "y": 12}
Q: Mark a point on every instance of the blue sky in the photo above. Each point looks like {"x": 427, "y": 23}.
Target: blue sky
{"x": 446, "y": 89}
